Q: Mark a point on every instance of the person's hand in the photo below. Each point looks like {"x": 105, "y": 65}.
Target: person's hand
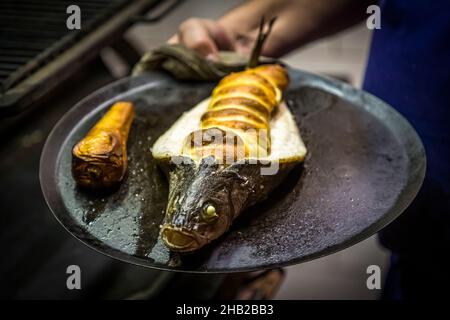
{"x": 298, "y": 23}
{"x": 208, "y": 37}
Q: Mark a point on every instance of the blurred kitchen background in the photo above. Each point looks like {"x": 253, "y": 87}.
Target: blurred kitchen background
{"x": 343, "y": 274}
{"x": 32, "y": 239}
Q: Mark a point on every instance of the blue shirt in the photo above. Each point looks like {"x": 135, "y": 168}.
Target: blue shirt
{"x": 409, "y": 68}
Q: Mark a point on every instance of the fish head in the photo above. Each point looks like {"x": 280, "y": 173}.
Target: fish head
{"x": 203, "y": 201}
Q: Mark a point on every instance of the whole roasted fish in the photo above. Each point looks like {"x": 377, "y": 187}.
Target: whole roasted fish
{"x": 100, "y": 158}
{"x": 226, "y": 154}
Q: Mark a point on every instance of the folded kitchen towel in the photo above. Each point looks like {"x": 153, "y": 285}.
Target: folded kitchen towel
{"x": 186, "y": 64}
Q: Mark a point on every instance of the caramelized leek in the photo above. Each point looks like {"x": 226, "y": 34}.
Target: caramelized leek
{"x": 100, "y": 158}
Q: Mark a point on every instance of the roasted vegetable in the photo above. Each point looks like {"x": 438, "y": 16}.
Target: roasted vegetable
{"x": 100, "y": 158}
{"x": 208, "y": 187}
{"x": 242, "y": 104}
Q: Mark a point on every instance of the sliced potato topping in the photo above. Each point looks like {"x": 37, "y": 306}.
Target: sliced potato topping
{"x": 244, "y": 101}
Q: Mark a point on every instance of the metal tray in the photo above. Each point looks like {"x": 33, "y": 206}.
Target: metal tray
{"x": 364, "y": 167}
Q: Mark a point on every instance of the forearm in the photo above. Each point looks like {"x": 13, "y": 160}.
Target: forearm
{"x": 299, "y": 21}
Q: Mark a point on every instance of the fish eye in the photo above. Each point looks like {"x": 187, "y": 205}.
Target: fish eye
{"x": 209, "y": 212}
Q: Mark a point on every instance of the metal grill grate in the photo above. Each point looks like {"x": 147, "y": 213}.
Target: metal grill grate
{"x": 33, "y": 32}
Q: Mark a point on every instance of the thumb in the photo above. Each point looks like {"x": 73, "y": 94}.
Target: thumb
{"x": 195, "y": 35}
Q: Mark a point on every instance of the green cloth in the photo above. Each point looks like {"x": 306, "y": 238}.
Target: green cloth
{"x": 186, "y": 64}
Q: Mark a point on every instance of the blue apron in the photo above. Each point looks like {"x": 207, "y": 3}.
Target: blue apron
{"x": 409, "y": 68}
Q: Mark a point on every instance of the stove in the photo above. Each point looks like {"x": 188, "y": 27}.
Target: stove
{"x": 38, "y": 52}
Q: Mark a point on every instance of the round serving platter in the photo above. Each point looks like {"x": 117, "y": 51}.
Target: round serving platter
{"x": 365, "y": 165}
